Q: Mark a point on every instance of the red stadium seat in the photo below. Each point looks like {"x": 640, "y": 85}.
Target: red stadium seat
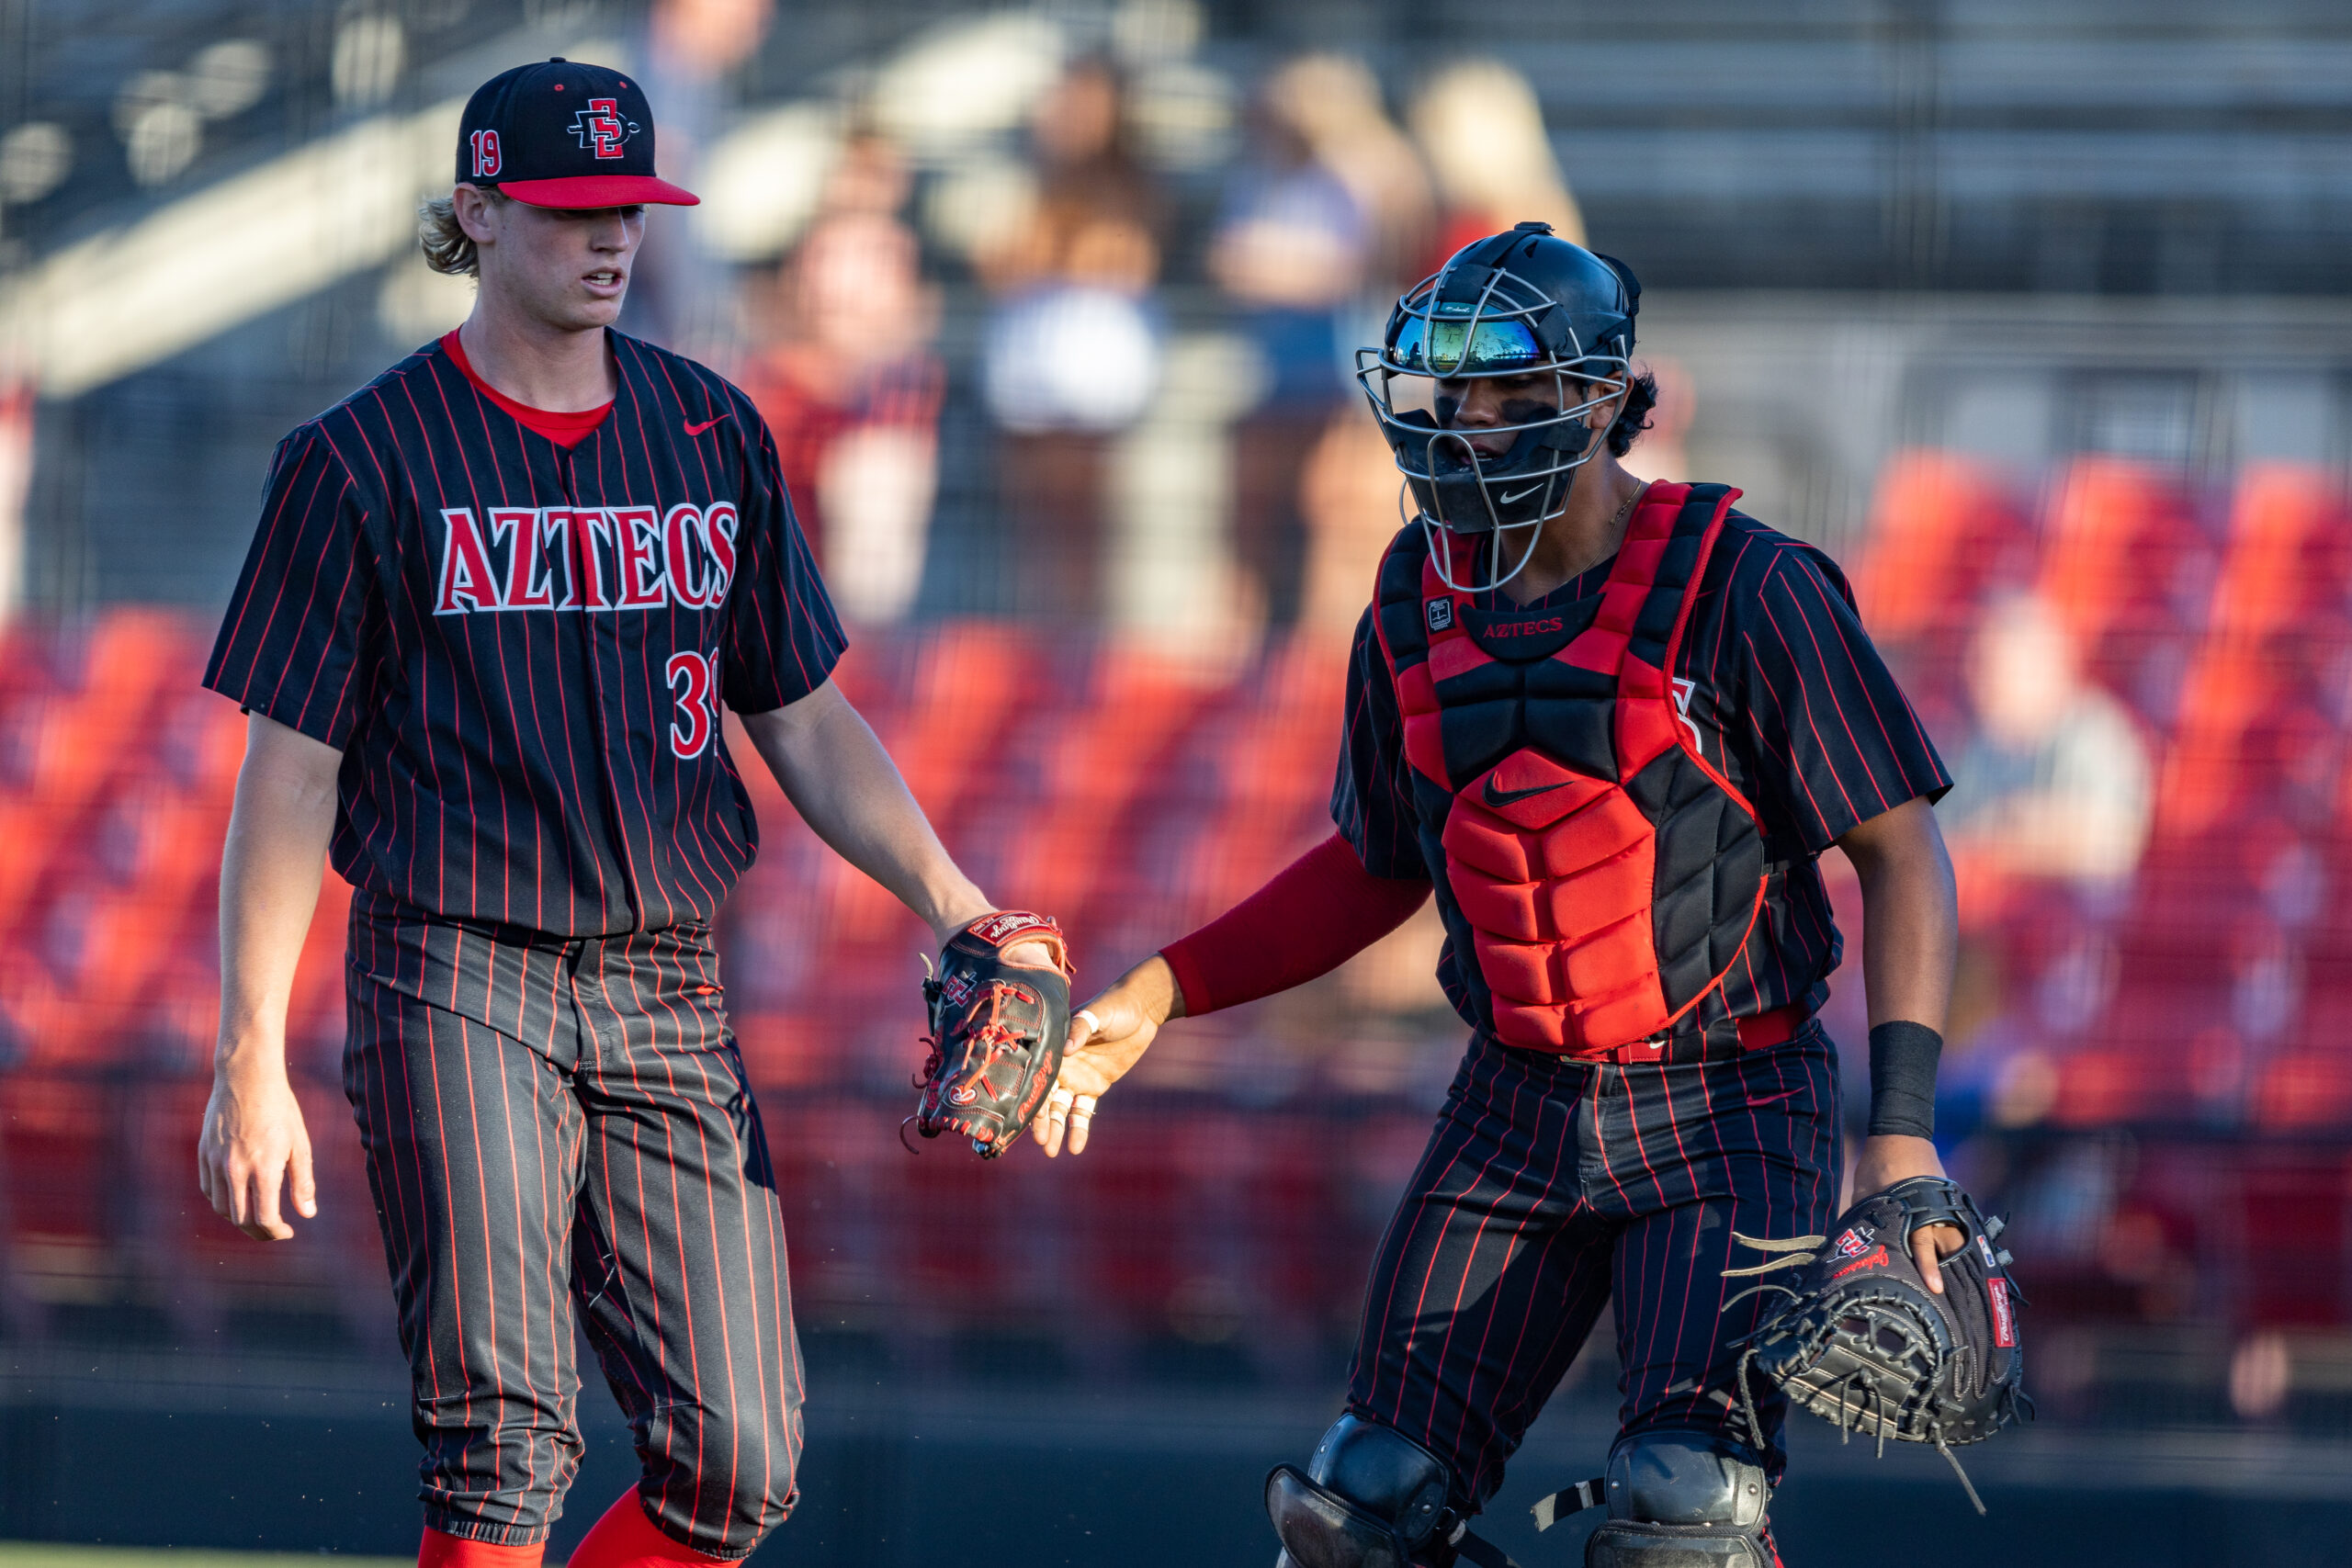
{"x": 969, "y": 677}
{"x": 200, "y": 744}
{"x": 2289, "y": 561}
{"x": 106, "y": 947}
{"x": 1942, "y": 529}
{"x": 1056, "y": 847}
{"x": 130, "y": 655}
{"x": 178, "y": 1020}
{"x": 32, "y": 834}
{"x": 2255, "y": 741}
{"x": 2120, "y": 537}
{"x": 67, "y": 748}
{"x": 2129, "y": 565}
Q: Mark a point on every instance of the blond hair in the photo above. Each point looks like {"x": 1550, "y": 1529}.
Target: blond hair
{"x": 447, "y": 247}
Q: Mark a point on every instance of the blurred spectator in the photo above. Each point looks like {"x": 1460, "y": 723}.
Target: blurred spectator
{"x": 703, "y": 38}
{"x": 1347, "y": 495}
{"x": 1071, "y": 354}
{"x": 679, "y": 295}
{"x": 850, "y": 386}
{"x": 1334, "y": 104}
{"x": 1294, "y": 247}
{"x": 2055, "y": 780}
{"x": 1482, "y": 129}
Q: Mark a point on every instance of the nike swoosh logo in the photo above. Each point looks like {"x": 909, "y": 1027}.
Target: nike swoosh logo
{"x": 1505, "y": 796}
{"x": 1522, "y": 495}
{"x": 694, "y": 429}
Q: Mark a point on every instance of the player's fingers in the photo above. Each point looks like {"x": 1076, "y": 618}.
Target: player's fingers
{"x": 244, "y": 1207}
{"x": 266, "y": 1222}
{"x": 1082, "y": 1120}
{"x": 1923, "y": 1251}
{"x": 1084, "y": 1025}
{"x": 1049, "y": 1126}
{"x": 304, "y": 1181}
{"x": 234, "y": 1184}
{"x": 1030, "y": 955}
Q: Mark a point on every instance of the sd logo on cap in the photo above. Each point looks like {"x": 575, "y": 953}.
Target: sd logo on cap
{"x": 563, "y": 134}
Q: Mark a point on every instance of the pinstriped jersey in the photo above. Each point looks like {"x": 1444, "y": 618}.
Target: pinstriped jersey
{"x": 1782, "y": 690}
{"x": 521, "y": 650}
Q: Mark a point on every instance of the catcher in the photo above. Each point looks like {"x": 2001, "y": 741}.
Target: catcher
{"x": 1612, "y": 725}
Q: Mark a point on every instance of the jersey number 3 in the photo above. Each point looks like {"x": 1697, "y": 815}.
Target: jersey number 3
{"x": 697, "y": 720}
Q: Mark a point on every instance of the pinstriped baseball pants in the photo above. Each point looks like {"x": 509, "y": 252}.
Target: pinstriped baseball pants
{"x": 559, "y": 1131}
{"x": 1550, "y": 1188}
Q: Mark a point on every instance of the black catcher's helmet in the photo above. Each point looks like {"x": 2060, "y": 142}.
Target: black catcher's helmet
{"x": 1511, "y": 304}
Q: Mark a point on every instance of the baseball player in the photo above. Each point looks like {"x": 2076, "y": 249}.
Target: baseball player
{"x": 1612, "y": 725}
{"x": 493, "y": 607}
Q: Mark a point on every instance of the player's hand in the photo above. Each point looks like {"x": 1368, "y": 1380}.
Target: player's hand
{"x": 1890, "y": 1157}
{"x": 1107, "y": 1037}
{"x": 1032, "y": 954}
{"x": 254, "y": 1140}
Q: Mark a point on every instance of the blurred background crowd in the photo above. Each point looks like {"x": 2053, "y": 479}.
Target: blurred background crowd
{"x": 2034, "y": 316}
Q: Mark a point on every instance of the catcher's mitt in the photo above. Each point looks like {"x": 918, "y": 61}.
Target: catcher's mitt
{"x": 997, "y": 1031}
{"x": 1862, "y": 1342}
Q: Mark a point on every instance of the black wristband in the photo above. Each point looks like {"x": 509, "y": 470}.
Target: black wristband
{"x": 1902, "y": 1078}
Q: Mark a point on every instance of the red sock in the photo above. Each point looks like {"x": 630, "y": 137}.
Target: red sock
{"x": 441, "y": 1550}
{"x": 624, "y": 1537}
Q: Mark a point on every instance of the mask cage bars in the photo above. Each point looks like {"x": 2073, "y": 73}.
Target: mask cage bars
{"x": 1420, "y": 304}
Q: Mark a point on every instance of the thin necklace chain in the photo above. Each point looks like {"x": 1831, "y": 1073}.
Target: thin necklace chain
{"x": 1624, "y": 509}
{"x": 1640, "y": 490}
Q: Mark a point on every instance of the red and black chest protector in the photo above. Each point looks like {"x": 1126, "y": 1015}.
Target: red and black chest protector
{"x": 1600, "y": 868}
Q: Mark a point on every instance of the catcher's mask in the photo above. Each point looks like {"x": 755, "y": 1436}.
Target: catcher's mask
{"x": 1523, "y": 303}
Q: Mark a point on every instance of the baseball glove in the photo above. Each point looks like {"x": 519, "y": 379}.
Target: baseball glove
{"x": 997, "y": 1031}
{"x": 1863, "y": 1343}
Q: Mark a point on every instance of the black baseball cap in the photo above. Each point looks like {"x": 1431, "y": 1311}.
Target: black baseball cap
{"x": 559, "y": 133}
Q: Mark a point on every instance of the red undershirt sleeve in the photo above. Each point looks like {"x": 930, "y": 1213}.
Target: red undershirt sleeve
{"x": 1316, "y": 913}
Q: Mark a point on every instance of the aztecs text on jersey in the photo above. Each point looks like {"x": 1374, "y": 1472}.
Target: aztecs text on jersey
{"x": 523, "y": 647}
{"x": 1605, "y": 872}
{"x": 566, "y": 558}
